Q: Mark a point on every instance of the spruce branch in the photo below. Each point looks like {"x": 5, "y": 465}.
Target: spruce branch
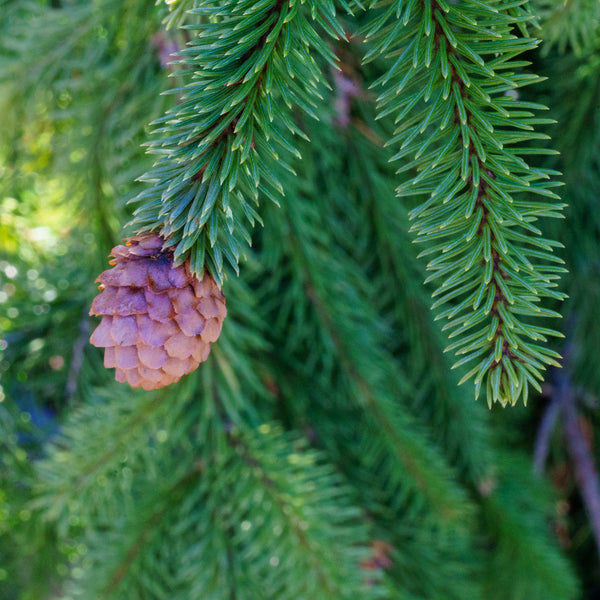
{"x": 346, "y": 324}
{"x": 460, "y": 127}
{"x": 218, "y": 145}
{"x": 296, "y": 525}
{"x": 149, "y": 528}
{"x": 572, "y": 24}
{"x": 69, "y": 479}
{"x": 517, "y": 526}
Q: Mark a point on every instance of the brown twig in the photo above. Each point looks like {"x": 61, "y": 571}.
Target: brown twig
{"x": 542, "y": 440}
{"x": 586, "y": 474}
{"x": 564, "y": 397}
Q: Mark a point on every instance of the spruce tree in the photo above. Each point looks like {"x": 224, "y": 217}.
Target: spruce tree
{"x": 330, "y": 166}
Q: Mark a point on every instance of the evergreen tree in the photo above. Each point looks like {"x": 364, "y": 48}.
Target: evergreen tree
{"x": 325, "y": 449}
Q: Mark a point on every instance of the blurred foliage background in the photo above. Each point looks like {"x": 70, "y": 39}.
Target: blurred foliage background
{"x": 330, "y": 375}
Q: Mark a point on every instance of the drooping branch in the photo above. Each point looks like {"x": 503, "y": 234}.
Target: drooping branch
{"x": 462, "y": 133}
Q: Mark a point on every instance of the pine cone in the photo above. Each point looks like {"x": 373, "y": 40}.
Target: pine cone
{"x": 157, "y": 319}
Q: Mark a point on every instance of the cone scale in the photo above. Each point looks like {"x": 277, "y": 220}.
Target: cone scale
{"x": 158, "y": 320}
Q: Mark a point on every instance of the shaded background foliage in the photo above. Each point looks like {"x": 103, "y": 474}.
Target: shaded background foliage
{"x": 327, "y": 416}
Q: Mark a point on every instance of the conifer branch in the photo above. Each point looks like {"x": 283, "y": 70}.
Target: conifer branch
{"x": 290, "y": 488}
{"x": 415, "y": 469}
{"x": 571, "y": 23}
{"x": 451, "y": 90}
{"x": 516, "y": 526}
{"x": 217, "y": 145}
{"x": 449, "y": 414}
{"x": 151, "y": 523}
{"x": 309, "y": 548}
{"x": 73, "y": 475}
